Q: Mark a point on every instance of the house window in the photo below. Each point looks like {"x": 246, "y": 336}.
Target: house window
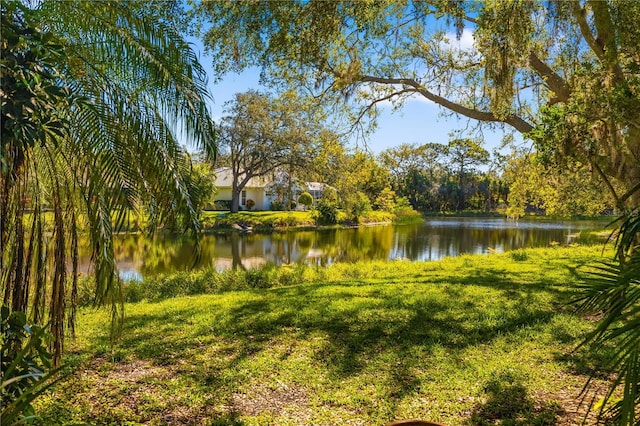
{"x": 244, "y": 198}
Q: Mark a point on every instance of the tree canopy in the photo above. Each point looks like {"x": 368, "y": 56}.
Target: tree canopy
{"x": 564, "y": 73}
{"x": 260, "y": 134}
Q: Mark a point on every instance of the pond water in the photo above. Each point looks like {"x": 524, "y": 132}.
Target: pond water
{"x": 138, "y": 257}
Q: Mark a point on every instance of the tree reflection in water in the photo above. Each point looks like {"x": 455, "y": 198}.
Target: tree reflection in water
{"x": 434, "y": 239}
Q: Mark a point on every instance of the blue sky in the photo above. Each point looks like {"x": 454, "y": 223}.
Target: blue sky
{"x": 418, "y": 121}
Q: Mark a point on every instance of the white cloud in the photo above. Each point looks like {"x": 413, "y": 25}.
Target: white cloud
{"x": 466, "y": 40}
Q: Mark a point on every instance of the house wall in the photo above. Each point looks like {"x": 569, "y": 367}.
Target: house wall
{"x": 257, "y": 195}
{"x": 223, "y": 194}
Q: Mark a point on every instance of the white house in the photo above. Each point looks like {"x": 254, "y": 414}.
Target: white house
{"x": 262, "y": 190}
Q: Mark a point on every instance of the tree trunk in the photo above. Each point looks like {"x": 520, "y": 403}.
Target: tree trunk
{"x": 289, "y": 190}
{"x": 235, "y": 197}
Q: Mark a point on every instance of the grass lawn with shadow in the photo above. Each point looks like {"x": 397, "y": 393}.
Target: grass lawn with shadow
{"x": 470, "y": 340}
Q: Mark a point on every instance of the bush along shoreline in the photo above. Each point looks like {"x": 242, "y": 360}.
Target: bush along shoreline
{"x": 270, "y": 221}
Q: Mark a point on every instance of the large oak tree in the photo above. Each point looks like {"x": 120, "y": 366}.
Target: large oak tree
{"x": 260, "y": 135}
{"x": 568, "y": 69}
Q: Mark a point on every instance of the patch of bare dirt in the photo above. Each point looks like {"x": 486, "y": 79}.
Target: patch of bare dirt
{"x": 574, "y": 407}
{"x": 136, "y": 371}
{"x": 276, "y": 401}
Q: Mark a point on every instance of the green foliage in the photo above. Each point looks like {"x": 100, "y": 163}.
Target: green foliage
{"x": 567, "y": 191}
{"x": 440, "y": 178}
{"x": 405, "y": 159}
{"x": 464, "y": 154}
{"x": 356, "y": 204}
{"x": 222, "y": 205}
{"x": 202, "y": 184}
{"x": 386, "y": 200}
{"x": 276, "y": 205}
{"x": 404, "y": 212}
{"x": 32, "y": 94}
{"x": 261, "y": 134}
{"x": 326, "y": 212}
{"x": 330, "y": 195}
{"x": 613, "y": 291}
{"x": 26, "y": 366}
{"x": 360, "y": 173}
{"x": 305, "y": 199}
{"x": 95, "y": 107}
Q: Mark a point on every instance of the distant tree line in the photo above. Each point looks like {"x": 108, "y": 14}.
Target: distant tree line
{"x": 273, "y": 137}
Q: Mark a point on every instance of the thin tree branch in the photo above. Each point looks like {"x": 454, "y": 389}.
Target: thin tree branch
{"x": 513, "y": 120}
{"x": 581, "y": 17}
{"x": 612, "y": 190}
{"x": 377, "y": 101}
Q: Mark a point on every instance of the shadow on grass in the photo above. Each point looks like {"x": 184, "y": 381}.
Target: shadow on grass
{"x": 358, "y": 323}
{"x": 231, "y": 419}
{"x": 508, "y": 403}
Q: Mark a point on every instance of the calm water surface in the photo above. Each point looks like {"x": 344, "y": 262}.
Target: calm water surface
{"x": 138, "y": 257}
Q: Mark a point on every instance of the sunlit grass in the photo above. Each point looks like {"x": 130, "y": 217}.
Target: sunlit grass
{"x": 465, "y": 340}
{"x": 270, "y": 220}
{"x": 260, "y": 220}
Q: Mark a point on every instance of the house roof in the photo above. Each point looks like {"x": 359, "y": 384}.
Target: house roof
{"x": 316, "y": 186}
{"x": 224, "y": 178}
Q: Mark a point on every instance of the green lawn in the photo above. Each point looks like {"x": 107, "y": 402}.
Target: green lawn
{"x": 270, "y": 220}
{"x": 467, "y": 340}
{"x": 260, "y": 220}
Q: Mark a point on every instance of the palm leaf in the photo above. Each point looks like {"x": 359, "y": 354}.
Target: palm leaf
{"x": 613, "y": 290}
{"x": 134, "y": 87}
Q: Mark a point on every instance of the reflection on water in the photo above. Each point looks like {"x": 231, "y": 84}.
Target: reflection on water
{"x": 434, "y": 239}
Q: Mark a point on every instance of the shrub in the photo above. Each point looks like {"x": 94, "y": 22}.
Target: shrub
{"x": 405, "y": 213}
{"x": 357, "y": 204}
{"x": 222, "y": 205}
{"x": 330, "y": 195}
{"x": 326, "y": 213}
{"x": 305, "y": 199}
{"x": 276, "y": 205}
{"x": 250, "y": 204}
{"x": 385, "y": 201}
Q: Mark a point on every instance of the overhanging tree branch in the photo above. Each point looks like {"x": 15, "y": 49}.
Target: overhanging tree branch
{"x": 552, "y": 80}
{"x": 513, "y": 120}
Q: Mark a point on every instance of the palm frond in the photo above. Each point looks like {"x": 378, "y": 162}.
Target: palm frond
{"x": 133, "y": 90}
{"x": 613, "y": 290}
